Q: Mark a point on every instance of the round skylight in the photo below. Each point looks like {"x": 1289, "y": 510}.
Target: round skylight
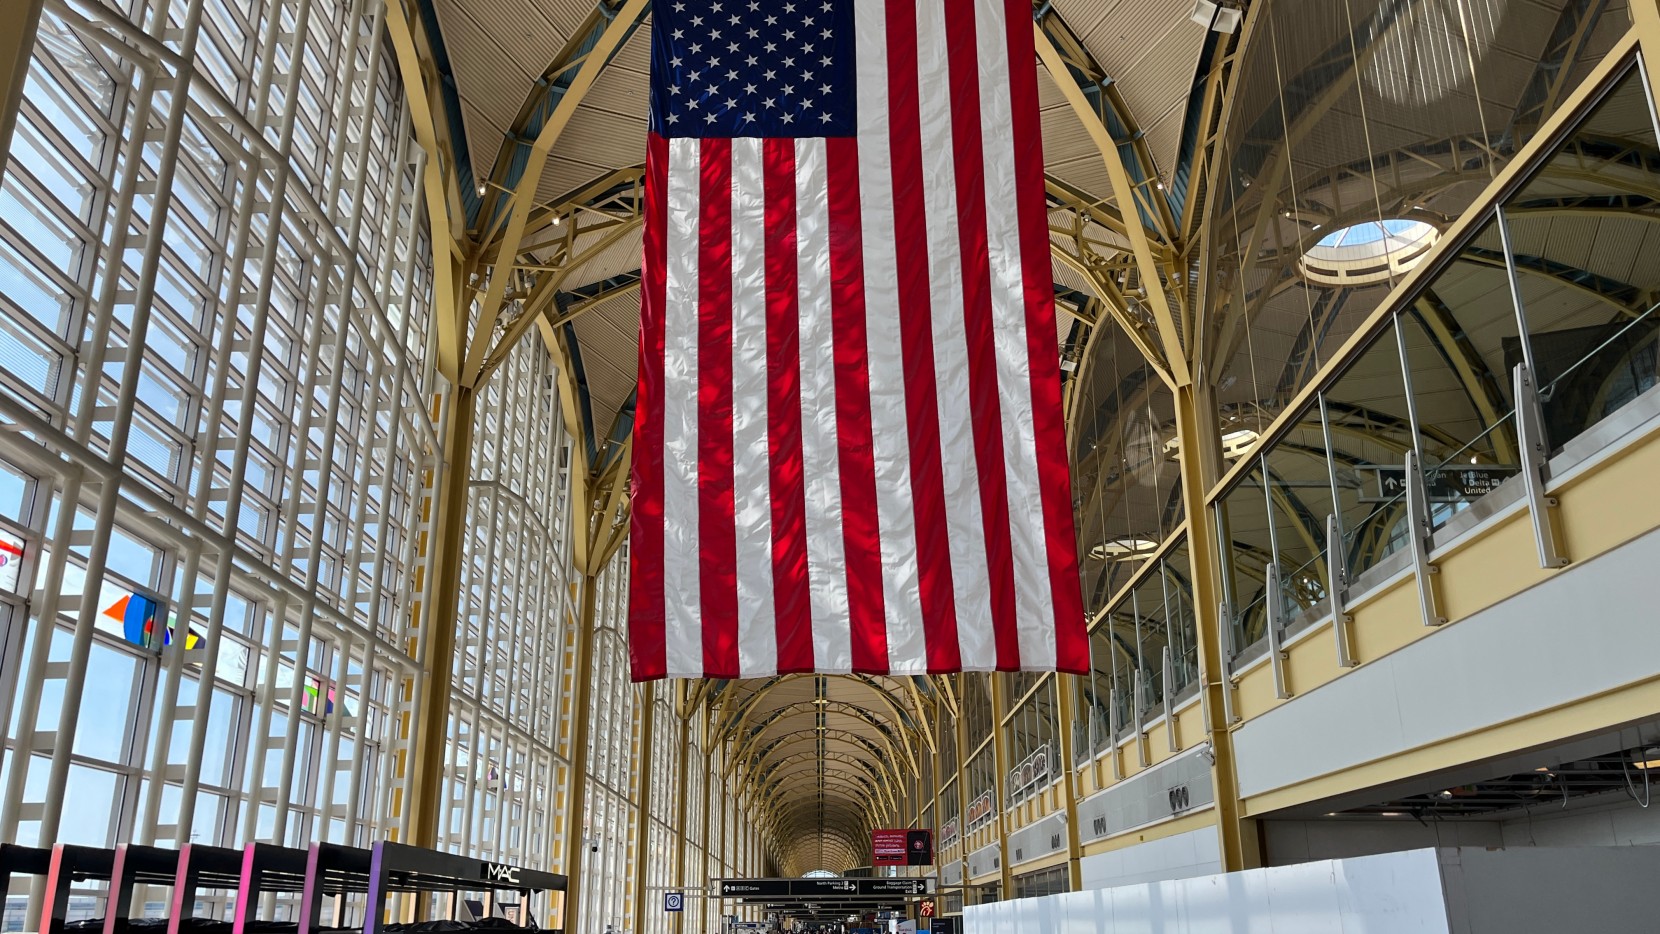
{"x": 1373, "y": 251}
{"x": 1119, "y": 549}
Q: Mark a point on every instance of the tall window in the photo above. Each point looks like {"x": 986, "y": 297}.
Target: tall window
{"x": 214, "y": 356}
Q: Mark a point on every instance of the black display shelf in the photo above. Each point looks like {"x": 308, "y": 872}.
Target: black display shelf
{"x": 125, "y": 866}
{"x": 266, "y": 868}
{"x": 390, "y": 868}
{"x": 22, "y": 861}
{"x": 202, "y": 867}
{"x": 324, "y": 871}
{"x": 398, "y": 867}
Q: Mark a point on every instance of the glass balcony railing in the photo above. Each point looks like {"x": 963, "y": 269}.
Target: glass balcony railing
{"x": 1144, "y": 655}
{"x": 1560, "y": 279}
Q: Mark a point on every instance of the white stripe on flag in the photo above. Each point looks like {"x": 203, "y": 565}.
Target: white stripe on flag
{"x": 889, "y": 433}
{"x": 970, "y": 576}
{"x": 1034, "y": 599}
{"x": 751, "y": 496}
{"x": 684, "y": 630}
{"x": 826, "y": 561}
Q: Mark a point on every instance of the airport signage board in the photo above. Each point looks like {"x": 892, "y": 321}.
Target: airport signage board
{"x": 828, "y": 889}
{"x": 902, "y": 847}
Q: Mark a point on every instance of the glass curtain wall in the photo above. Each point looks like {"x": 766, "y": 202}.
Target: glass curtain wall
{"x": 607, "y": 869}
{"x": 504, "y": 762}
{"x": 660, "y": 843}
{"x": 214, "y": 373}
{"x": 1557, "y": 279}
{"x": 1361, "y": 130}
{"x": 1125, "y": 480}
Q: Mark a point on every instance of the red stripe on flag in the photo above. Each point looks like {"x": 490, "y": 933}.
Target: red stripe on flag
{"x": 916, "y": 339}
{"x": 647, "y": 648}
{"x": 1071, "y": 634}
{"x": 718, "y": 552}
{"x": 856, "y": 459}
{"x": 792, "y": 600}
{"x": 968, "y": 154}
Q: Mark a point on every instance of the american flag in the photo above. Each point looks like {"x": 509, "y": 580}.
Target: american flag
{"x": 849, "y": 452}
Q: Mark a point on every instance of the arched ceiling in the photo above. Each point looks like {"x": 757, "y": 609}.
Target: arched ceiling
{"x": 828, "y": 757}
{"x": 503, "y": 66}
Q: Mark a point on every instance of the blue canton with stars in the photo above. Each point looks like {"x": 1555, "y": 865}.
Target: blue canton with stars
{"x": 759, "y": 68}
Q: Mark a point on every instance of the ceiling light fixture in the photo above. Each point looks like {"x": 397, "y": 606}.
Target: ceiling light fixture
{"x": 1214, "y": 16}
{"x": 1234, "y": 443}
{"x": 1119, "y": 549}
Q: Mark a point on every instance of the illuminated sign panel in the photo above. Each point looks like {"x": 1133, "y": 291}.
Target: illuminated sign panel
{"x": 902, "y": 847}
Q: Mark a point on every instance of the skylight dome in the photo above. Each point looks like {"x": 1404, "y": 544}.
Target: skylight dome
{"x": 1369, "y": 252}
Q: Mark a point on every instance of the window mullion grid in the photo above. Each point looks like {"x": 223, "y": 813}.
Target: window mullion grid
{"x": 108, "y": 493}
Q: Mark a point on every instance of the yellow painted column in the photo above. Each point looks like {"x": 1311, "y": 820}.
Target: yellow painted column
{"x": 642, "y": 797}
{"x": 708, "y": 779}
{"x": 1066, "y": 705}
{"x": 19, "y": 21}
{"x": 1200, "y": 460}
{"x": 939, "y": 780}
{"x": 680, "y": 812}
{"x": 999, "y": 779}
{"x": 449, "y": 530}
{"x": 576, "y": 803}
{"x": 960, "y": 727}
{"x": 1645, "y": 15}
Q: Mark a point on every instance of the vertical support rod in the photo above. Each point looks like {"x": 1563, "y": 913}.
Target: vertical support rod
{"x": 1337, "y": 589}
{"x": 1417, "y": 524}
{"x": 1168, "y": 674}
{"x": 1531, "y": 443}
{"x": 1274, "y": 604}
{"x": 19, "y": 21}
{"x": 642, "y": 815}
{"x": 1513, "y": 279}
{"x": 1200, "y": 462}
{"x": 438, "y": 654}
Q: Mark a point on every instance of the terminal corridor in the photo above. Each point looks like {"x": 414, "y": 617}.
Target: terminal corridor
{"x": 853, "y": 466}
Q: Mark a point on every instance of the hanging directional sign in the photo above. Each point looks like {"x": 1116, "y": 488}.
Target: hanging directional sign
{"x": 1452, "y": 483}
{"x": 771, "y": 889}
{"x": 674, "y": 901}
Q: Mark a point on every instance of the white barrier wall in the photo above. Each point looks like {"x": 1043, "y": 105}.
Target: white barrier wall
{"x": 1181, "y": 856}
{"x": 1433, "y": 891}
